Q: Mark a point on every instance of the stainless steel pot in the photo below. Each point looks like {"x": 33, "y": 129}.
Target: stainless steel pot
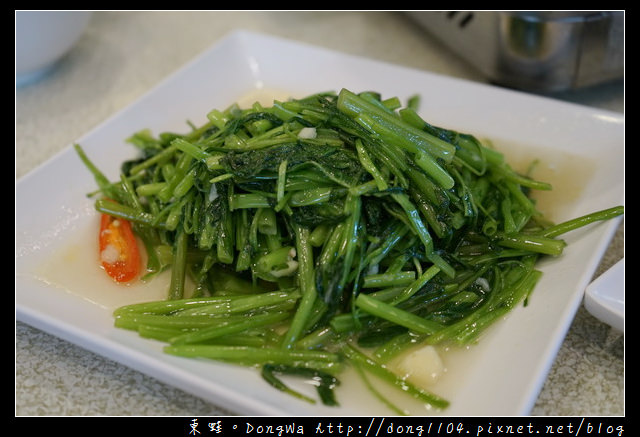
{"x": 532, "y": 50}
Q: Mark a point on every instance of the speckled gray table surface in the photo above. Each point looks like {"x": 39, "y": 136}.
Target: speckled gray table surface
{"x": 124, "y": 54}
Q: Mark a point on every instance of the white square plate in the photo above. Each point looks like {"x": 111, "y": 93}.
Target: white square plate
{"x": 582, "y": 150}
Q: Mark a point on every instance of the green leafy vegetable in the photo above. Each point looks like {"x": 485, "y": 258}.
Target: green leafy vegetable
{"x": 332, "y": 230}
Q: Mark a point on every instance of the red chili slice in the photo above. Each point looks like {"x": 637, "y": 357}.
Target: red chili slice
{"x": 119, "y": 252}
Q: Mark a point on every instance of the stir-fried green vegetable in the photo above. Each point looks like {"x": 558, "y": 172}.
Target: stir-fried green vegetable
{"x": 333, "y": 230}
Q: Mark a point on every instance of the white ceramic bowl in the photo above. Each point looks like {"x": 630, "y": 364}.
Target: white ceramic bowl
{"x": 42, "y": 38}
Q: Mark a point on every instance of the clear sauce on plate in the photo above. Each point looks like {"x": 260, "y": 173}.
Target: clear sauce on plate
{"x": 75, "y": 268}
{"x": 567, "y": 173}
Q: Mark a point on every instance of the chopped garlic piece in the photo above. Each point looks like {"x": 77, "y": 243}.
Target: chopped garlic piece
{"x": 483, "y": 283}
{"x": 307, "y": 132}
{"x": 422, "y": 366}
{"x": 213, "y": 193}
{"x": 292, "y": 266}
